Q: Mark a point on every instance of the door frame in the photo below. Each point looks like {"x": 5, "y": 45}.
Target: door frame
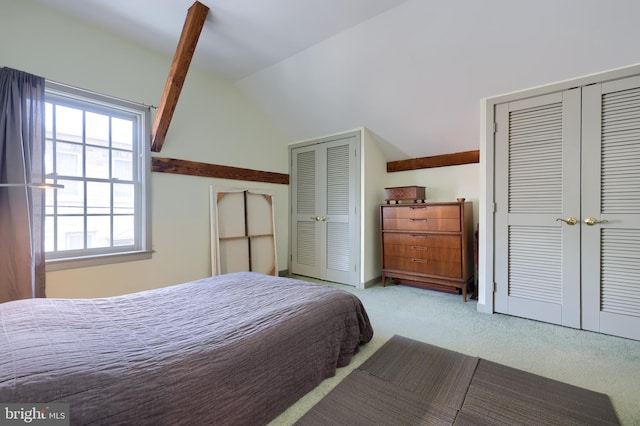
{"x": 487, "y": 197}
{"x": 355, "y": 246}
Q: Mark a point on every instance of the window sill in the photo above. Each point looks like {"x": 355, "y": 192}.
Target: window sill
{"x": 103, "y": 259}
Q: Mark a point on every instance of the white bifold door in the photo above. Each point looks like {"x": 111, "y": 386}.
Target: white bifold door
{"x": 567, "y": 219}
{"x": 324, "y": 201}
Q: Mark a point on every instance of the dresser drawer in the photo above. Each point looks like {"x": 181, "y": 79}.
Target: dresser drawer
{"x": 424, "y": 266}
{"x": 421, "y": 211}
{"x": 422, "y": 252}
{"x": 422, "y": 246}
{"x": 425, "y": 240}
{"x": 426, "y": 224}
{"x": 422, "y": 218}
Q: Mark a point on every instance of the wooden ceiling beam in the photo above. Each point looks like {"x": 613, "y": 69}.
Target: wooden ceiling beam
{"x": 456, "y": 159}
{"x": 179, "y": 66}
{"x": 194, "y": 168}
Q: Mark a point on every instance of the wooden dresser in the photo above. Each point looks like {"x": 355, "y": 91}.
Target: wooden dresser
{"x": 428, "y": 244}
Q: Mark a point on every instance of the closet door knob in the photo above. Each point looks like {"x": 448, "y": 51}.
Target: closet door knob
{"x": 569, "y": 221}
{"x": 592, "y": 221}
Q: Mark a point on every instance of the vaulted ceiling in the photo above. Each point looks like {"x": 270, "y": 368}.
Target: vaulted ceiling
{"x": 411, "y": 71}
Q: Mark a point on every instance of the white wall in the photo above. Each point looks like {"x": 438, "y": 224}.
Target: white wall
{"x": 213, "y": 123}
{"x": 374, "y": 178}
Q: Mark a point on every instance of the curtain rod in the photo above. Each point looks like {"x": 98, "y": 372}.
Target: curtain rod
{"x": 47, "y": 80}
{"x": 115, "y": 98}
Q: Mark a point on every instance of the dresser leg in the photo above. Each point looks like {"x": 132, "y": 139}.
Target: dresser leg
{"x": 384, "y": 280}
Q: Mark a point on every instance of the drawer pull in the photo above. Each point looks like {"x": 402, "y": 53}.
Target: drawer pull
{"x": 418, "y": 220}
{"x": 420, "y": 236}
{"x": 420, "y": 260}
{"x": 419, "y": 248}
{"x": 418, "y": 207}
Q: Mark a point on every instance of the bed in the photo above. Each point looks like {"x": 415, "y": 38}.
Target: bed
{"x": 233, "y": 349}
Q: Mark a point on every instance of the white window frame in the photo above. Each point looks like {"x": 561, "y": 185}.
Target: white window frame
{"x": 141, "y": 248}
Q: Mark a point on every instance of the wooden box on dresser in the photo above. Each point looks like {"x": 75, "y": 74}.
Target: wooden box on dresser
{"x": 428, "y": 244}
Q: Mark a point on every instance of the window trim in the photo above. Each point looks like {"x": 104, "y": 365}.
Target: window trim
{"x": 113, "y": 255}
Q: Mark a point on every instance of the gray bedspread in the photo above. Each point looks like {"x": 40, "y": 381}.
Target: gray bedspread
{"x": 232, "y": 349}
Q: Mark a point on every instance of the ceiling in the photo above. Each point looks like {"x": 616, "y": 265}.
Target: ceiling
{"x": 412, "y": 71}
{"x": 240, "y": 37}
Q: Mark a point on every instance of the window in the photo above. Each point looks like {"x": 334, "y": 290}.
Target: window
{"x": 96, "y": 147}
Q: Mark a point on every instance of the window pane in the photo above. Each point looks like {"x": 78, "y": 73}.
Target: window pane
{"x": 70, "y": 233}
{"x": 48, "y": 157}
{"x": 123, "y": 198}
{"x": 68, "y": 159}
{"x": 49, "y": 202}
{"x": 97, "y": 129}
{"x": 97, "y": 162}
{"x": 99, "y": 231}
{"x": 48, "y": 119}
{"x": 71, "y": 197}
{"x": 68, "y": 123}
{"x": 123, "y": 231}
{"x": 122, "y": 133}
{"x": 98, "y": 198}
{"x": 122, "y": 165}
{"x": 48, "y": 234}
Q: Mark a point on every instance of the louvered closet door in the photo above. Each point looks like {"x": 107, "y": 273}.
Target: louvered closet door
{"x": 537, "y": 182}
{"x": 307, "y": 182}
{"x": 611, "y": 193}
{"x": 324, "y": 224}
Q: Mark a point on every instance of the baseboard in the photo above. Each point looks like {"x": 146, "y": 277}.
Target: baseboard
{"x": 484, "y": 308}
{"x": 373, "y": 281}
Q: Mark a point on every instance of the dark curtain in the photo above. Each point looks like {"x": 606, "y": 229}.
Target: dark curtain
{"x": 22, "y": 114}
